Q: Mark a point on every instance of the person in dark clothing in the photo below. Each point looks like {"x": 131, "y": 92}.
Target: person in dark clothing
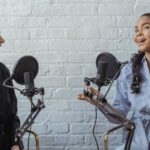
{"x": 9, "y": 120}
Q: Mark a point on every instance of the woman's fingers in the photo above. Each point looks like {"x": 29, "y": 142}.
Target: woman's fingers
{"x": 82, "y": 97}
{"x": 93, "y": 91}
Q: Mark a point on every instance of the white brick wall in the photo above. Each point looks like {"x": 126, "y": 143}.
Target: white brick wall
{"x": 66, "y": 36}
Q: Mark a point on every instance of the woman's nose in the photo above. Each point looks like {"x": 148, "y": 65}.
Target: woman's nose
{"x": 140, "y": 32}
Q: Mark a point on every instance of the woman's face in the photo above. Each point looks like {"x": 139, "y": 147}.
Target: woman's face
{"x": 142, "y": 34}
{"x": 1, "y": 40}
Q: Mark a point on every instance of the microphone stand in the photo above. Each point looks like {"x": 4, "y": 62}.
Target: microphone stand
{"x": 124, "y": 122}
{"x": 35, "y": 110}
{"x": 110, "y": 111}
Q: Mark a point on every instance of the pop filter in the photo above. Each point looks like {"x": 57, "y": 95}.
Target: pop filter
{"x": 23, "y": 65}
{"x": 111, "y": 63}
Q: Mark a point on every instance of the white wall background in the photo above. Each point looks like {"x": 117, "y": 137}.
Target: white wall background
{"x": 66, "y": 36}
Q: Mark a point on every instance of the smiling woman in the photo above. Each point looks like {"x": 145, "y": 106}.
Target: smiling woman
{"x": 9, "y": 120}
{"x": 142, "y": 40}
{"x": 132, "y": 88}
{"x": 142, "y": 33}
{"x": 136, "y": 76}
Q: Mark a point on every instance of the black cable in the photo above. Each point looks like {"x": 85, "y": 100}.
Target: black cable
{"x": 94, "y": 125}
{"x": 93, "y": 130}
{"x": 114, "y": 78}
{"x": 95, "y": 121}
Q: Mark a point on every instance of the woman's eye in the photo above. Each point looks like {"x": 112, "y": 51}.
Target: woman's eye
{"x": 147, "y": 27}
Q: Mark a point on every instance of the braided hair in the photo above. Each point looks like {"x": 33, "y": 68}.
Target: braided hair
{"x": 136, "y": 66}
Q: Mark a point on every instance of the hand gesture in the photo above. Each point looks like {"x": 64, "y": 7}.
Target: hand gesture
{"x": 87, "y": 94}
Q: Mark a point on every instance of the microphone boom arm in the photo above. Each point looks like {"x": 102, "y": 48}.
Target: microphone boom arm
{"x": 30, "y": 119}
{"x": 112, "y": 113}
{"x": 108, "y": 69}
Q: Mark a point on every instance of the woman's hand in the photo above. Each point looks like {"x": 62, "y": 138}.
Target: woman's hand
{"x": 82, "y": 97}
{"x": 92, "y": 91}
{"x": 15, "y": 147}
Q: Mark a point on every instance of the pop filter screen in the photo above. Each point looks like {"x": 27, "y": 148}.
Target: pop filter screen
{"x": 23, "y": 65}
{"x": 113, "y": 64}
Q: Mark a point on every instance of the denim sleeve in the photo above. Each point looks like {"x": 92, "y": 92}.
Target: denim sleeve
{"x": 121, "y": 102}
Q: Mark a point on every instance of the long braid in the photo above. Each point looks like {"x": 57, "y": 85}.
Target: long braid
{"x": 136, "y": 66}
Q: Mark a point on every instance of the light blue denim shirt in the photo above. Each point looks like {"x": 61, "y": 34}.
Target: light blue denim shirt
{"x": 125, "y": 100}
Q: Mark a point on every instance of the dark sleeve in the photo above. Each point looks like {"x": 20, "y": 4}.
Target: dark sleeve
{"x": 13, "y": 120}
{"x": 8, "y": 97}
{"x": 15, "y": 125}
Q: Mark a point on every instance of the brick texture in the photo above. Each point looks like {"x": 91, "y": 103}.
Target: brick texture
{"x": 66, "y": 36}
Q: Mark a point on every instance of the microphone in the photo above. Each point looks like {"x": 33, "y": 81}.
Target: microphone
{"x": 29, "y": 90}
{"x": 101, "y": 78}
{"x": 29, "y": 81}
{"x": 101, "y": 73}
{"x": 24, "y": 73}
{"x": 108, "y": 69}
{"x": 102, "y": 70}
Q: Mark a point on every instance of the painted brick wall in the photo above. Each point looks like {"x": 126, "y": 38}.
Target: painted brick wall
{"x": 65, "y": 36}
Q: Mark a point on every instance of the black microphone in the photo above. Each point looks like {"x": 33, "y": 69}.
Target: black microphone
{"x": 100, "y": 78}
{"x": 108, "y": 70}
{"x": 101, "y": 73}
{"x": 29, "y": 81}
{"x": 102, "y": 70}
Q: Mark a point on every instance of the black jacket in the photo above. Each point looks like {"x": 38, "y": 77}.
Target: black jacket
{"x": 8, "y": 112}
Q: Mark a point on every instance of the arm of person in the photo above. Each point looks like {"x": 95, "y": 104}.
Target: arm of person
{"x": 16, "y": 145}
{"x": 121, "y": 99}
{"x": 120, "y": 102}
{"x": 15, "y": 124}
{"x": 9, "y": 107}
{"x": 111, "y": 113}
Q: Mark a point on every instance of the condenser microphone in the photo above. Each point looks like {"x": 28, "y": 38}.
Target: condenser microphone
{"x": 24, "y": 73}
{"x": 29, "y": 80}
{"x": 102, "y": 70}
{"x": 108, "y": 69}
{"x": 101, "y": 78}
{"x": 101, "y": 73}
